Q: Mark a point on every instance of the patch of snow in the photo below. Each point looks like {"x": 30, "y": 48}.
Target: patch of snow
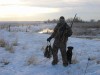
{"x": 30, "y": 50}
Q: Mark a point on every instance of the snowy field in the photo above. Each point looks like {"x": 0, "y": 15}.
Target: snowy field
{"x": 21, "y": 53}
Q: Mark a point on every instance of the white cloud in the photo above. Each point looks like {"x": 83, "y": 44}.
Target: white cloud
{"x": 10, "y": 2}
{"x": 54, "y": 8}
{"x": 22, "y": 12}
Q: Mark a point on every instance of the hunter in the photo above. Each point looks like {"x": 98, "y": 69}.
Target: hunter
{"x": 61, "y": 33}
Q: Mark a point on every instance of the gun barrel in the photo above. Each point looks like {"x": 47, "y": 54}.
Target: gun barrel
{"x": 73, "y": 20}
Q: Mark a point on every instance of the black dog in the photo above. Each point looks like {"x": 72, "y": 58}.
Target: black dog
{"x": 69, "y": 54}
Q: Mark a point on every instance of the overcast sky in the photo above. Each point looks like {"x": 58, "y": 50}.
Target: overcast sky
{"x": 39, "y": 10}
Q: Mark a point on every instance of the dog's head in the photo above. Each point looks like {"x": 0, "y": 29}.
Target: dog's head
{"x": 70, "y": 48}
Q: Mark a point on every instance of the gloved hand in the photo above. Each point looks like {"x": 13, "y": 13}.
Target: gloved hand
{"x": 49, "y": 39}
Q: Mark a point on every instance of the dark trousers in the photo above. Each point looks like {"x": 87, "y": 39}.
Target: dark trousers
{"x": 62, "y": 46}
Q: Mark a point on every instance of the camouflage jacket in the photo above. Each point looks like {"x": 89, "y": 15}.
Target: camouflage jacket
{"x": 62, "y": 31}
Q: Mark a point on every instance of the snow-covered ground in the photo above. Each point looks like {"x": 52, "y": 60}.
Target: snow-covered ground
{"x": 26, "y": 57}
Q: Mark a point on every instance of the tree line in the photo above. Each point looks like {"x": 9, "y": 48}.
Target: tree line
{"x": 76, "y": 20}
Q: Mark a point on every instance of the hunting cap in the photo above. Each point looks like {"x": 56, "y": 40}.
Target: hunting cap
{"x": 62, "y": 17}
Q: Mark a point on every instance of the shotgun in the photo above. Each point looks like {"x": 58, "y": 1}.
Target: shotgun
{"x": 73, "y": 20}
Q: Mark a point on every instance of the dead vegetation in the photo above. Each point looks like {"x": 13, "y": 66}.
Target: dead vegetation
{"x": 74, "y": 59}
{"x": 4, "y": 62}
{"x": 32, "y": 60}
{"x": 88, "y": 29}
{"x": 15, "y": 42}
{"x": 7, "y": 46}
{"x": 98, "y": 62}
{"x": 2, "y": 43}
{"x": 85, "y": 28}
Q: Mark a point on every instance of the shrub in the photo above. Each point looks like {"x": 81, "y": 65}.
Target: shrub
{"x": 4, "y": 62}
{"x": 15, "y": 43}
{"x": 2, "y": 43}
{"x": 92, "y": 58}
{"x": 25, "y": 47}
{"x": 98, "y": 61}
{"x": 74, "y": 59}
{"x": 9, "y": 48}
{"x": 32, "y": 60}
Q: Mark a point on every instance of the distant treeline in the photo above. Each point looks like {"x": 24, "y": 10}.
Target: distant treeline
{"x": 76, "y": 20}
